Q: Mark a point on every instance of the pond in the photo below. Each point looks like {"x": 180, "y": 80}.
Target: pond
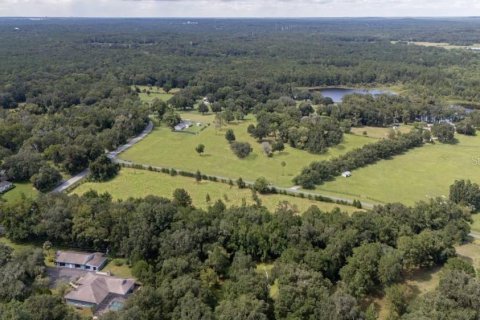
{"x": 337, "y": 94}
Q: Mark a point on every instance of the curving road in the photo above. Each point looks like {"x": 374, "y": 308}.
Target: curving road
{"x": 112, "y": 155}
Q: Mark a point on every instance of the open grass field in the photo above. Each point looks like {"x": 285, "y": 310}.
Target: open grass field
{"x": 476, "y": 222}
{"x": 119, "y": 268}
{"x": 420, "y": 174}
{"x": 378, "y": 133}
{"x": 165, "y": 148}
{"x": 140, "y": 183}
{"x": 154, "y": 92}
{"x": 21, "y": 189}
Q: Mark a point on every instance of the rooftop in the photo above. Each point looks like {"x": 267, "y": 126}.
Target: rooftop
{"x": 82, "y": 258}
{"x": 94, "y": 288}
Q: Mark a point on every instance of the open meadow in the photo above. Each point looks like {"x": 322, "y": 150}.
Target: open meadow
{"x": 165, "y": 148}
{"x": 148, "y": 94}
{"x": 419, "y": 174}
{"x": 140, "y": 183}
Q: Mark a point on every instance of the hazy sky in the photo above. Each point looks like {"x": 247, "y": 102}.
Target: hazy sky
{"x": 238, "y": 8}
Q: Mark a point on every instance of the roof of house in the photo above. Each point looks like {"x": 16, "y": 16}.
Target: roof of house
{"x": 5, "y": 184}
{"x": 94, "y": 288}
{"x": 95, "y": 259}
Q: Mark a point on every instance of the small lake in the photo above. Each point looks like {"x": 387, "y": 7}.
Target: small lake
{"x": 337, "y": 94}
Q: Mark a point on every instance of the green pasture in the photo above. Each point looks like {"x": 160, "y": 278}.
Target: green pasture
{"x": 140, "y": 183}
{"x": 419, "y": 174}
{"x": 177, "y": 150}
{"x": 148, "y": 94}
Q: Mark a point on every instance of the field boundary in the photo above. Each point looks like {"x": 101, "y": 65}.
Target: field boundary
{"x": 248, "y": 184}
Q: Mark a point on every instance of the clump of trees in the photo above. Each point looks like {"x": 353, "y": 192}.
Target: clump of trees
{"x": 46, "y": 179}
{"x": 465, "y": 127}
{"x": 241, "y": 149}
{"x": 465, "y": 193}
{"x": 445, "y": 132}
{"x": 283, "y": 121}
{"x": 103, "y": 169}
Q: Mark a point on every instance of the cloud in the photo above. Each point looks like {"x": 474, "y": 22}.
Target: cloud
{"x": 238, "y": 8}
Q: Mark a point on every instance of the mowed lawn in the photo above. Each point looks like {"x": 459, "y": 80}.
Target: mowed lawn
{"x": 419, "y": 174}
{"x": 140, "y": 183}
{"x": 21, "y": 189}
{"x": 177, "y": 150}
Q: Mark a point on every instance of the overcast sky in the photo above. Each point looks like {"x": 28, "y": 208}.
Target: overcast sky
{"x": 238, "y": 8}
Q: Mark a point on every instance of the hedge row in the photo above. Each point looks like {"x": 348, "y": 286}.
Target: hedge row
{"x": 272, "y": 190}
{"x": 318, "y": 172}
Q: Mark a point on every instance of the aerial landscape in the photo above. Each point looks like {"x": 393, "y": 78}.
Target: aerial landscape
{"x": 244, "y": 160}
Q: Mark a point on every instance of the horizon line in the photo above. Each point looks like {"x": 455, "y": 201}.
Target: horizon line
{"x": 239, "y": 17}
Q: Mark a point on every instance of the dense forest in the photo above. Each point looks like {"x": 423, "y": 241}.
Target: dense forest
{"x": 69, "y": 93}
{"x": 201, "y": 264}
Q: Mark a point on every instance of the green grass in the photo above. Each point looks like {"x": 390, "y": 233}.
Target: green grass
{"x": 377, "y": 132}
{"x": 169, "y": 149}
{"x": 140, "y": 183}
{"x": 420, "y": 174}
{"x": 476, "y": 222}
{"x": 155, "y": 92}
{"x": 122, "y": 271}
{"x": 21, "y": 189}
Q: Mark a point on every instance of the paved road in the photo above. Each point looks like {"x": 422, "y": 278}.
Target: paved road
{"x": 112, "y": 155}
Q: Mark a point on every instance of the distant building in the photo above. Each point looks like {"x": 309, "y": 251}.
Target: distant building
{"x": 183, "y": 125}
{"x": 80, "y": 260}
{"x": 5, "y": 186}
{"x": 99, "y": 291}
{"x": 346, "y": 174}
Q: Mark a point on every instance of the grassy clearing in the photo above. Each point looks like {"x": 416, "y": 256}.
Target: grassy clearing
{"x": 170, "y": 149}
{"x": 17, "y": 246}
{"x": 418, "y": 282}
{"x": 23, "y": 189}
{"x": 476, "y": 222}
{"x": 378, "y": 133}
{"x": 140, "y": 183}
{"x": 443, "y": 45}
{"x": 266, "y": 269}
{"x": 154, "y": 92}
{"x": 420, "y": 174}
{"x": 119, "y": 268}
{"x": 471, "y": 253}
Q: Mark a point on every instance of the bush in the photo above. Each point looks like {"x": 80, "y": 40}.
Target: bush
{"x": 261, "y": 185}
{"x": 241, "y": 149}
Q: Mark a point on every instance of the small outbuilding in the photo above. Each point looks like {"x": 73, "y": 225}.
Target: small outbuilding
{"x": 6, "y": 186}
{"x": 346, "y": 174}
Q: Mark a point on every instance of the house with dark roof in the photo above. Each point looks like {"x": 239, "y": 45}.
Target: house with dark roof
{"x": 5, "y": 186}
{"x": 80, "y": 260}
{"x": 99, "y": 291}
